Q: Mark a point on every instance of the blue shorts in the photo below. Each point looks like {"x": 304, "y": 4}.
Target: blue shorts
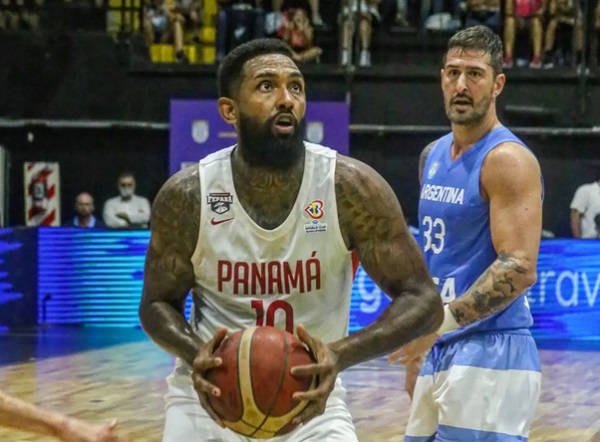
{"x": 482, "y": 387}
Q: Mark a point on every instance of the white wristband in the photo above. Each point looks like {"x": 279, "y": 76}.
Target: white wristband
{"x": 449, "y": 324}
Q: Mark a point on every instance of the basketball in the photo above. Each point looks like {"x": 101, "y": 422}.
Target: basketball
{"x": 256, "y": 383}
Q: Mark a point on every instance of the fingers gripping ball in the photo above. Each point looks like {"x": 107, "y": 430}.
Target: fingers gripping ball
{"x": 256, "y": 383}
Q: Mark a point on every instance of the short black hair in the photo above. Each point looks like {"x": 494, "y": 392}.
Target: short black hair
{"x": 479, "y": 38}
{"x": 126, "y": 174}
{"x": 229, "y": 75}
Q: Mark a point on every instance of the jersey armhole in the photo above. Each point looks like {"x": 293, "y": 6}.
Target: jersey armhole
{"x": 196, "y": 253}
{"x": 338, "y": 230}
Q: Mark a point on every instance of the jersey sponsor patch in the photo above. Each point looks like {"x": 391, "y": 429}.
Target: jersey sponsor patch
{"x": 219, "y": 202}
{"x": 315, "y": 227}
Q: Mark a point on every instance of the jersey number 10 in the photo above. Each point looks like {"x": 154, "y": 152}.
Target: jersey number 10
{"x": 272, "y": 308}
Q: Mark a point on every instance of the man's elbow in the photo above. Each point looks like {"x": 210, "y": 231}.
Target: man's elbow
{"x": 434, "y": 309}
{"x": 144, "y": 314}
{"x": 528, "y": 278}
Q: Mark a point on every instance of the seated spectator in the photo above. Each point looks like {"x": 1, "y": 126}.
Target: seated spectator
{"x": 128, "y": 210}
{"x": 564, "y": 28}
{"x": 298, "y": 33}
{"x": 162, "y": 23}
{"x": 483, "y": 12}
{"x": 11, "y": 15}
{"x": 585, "y": 207}
{"x": 350, "y": 12}
{"x": 441, "y": 15}
{"x": 522, "y": 16}
{"x": 191, "y": 12}
{"x": 595, "y": 55}
{"x": 239, "y": 22}
{"x": 84, "y": 212}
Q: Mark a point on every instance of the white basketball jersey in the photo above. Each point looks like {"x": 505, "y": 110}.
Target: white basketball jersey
{"x": 298, "y": 273}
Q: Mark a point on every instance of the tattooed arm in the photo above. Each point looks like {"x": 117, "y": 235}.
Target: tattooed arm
{"x": 423, "y": 159}
{"x": 373, "y": 225}
{"x": 168, "y": 272}
{"x": 511, "y": 181}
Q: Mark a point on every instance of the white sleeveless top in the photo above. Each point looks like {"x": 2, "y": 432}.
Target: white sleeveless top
{"x": 298, "y": 273}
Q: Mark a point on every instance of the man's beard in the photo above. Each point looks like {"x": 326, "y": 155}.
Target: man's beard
{"x": 473, "y": 116}
{"x": 262, "y": 148}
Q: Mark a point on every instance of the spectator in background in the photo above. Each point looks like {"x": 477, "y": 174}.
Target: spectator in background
{"x": 523, "y": 15}
{"x": 595, "y": 36}
{"x": 298, "y": 34}
{"x": 483, "y": 12}
{"x": 162, "y": 23}
{"x": 128, "y": 210}
{"x": 9, "y": 16}
{"x": 584, "y": 209}
{"x": 564, "y": 28}
{"x": 365, "y": 16}
{"x": 84, "y": 212}
{"x": 239, "y": 22}
{"x": 191, "y": 12}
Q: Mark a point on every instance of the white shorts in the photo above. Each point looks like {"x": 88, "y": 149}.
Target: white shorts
{"x": 186, "y": 420}
{"x": 483, "y": 387}
{"x": 365, "y": 8}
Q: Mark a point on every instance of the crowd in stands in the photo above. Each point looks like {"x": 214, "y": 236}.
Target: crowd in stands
{"x": 537, "y": 33}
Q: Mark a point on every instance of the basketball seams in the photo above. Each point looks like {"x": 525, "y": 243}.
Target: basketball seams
{"x": 253, "y": 422}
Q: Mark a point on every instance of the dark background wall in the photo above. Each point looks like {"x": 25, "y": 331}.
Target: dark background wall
{"x": 88, "y": 76}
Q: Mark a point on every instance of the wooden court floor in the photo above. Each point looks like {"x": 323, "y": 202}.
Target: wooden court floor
{"x": 99, "y": 379}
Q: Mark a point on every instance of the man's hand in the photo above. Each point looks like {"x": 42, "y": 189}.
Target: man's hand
{"x": 413, "y": 350}
{"x": 203, "y": 362}
{"x": 76, "y": 430}
{"x": 412, "y": 373}
{"x": 326, "y": 371}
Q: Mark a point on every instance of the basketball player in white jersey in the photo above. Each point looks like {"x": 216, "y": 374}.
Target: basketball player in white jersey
{"x": 264, "y": 232}
{"x": 23, "y": 416}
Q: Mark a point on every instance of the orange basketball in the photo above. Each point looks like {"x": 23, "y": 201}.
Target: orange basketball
{"x": 256, "y": 383}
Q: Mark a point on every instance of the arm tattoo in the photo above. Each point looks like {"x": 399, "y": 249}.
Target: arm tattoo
{"x": 168, "y": 272}
{"x": 423, "y": 158}
{"x": 493, "y": 291}
{"x": 372, "y": 224}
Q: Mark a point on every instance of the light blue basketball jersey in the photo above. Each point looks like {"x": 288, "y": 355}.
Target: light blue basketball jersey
{"x": 454, "y": 227}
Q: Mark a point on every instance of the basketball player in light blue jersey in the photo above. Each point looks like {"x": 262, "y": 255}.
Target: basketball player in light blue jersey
{"x": 480, "y": 217}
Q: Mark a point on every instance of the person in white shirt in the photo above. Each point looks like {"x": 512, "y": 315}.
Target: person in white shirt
{"x": 584, "y": 208}
{"x": 128, "y": 210}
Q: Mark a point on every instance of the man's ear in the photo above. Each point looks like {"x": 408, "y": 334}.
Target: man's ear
{"x": 228, "y": 110}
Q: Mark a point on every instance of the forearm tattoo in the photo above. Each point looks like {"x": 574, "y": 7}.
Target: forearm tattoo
{"x": 495, "y": 289}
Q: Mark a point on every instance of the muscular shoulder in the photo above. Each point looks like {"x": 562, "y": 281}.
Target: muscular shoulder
{"x": 423, "y": 158}
{"x": 176, "y": 208}
{"x": 353, "y": 177}
{"x": 509, "y": 166}
{"x": 364, "y": 200}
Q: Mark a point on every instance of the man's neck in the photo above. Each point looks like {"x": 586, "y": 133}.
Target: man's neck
{"x": 266, "y": 194}
{"x": 265, "y": 179}
{"x": 466, "y": 136}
